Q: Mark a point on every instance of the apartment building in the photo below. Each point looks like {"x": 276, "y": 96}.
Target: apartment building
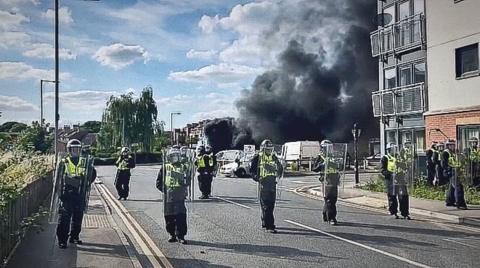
{"x": 400, "y": 44}
{"x": 453, "y": 36}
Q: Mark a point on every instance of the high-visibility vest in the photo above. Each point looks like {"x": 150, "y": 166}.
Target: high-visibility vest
{"x": 453, "y": 160}
{"x": 123, "y": 163}
{"x": 392, "y": 163}
{"x": 174, "y": 176}
{"x": 201, "y": 161}
{"x": 268, "y": 166}
{"x": 74, "y": 172}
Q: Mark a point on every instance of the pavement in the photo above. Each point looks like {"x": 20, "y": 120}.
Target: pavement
{"x": 102, "y": 244}
{"x": 225, "y": 231}
{"x": 349, "y": 193}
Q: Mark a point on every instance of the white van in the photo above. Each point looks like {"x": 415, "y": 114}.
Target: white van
{"x": 300, "y": 150}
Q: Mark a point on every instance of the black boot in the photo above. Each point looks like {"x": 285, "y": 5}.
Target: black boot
{"x": 172, "y": 239}
{"x": 75, "y": 241}
{"x": 62, "y": 245}
{"x": 182, "y": 240}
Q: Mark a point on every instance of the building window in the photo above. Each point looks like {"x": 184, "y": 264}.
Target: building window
{"x": 390, "y": 78}
{"x": 419, "y": 7}
{"x": 465, "y": 133}
{"x": 391, "y": 11}
{"x": 420, "y": 140}
{"x": 405, "y": 75}
{"x": 466, "y": 60}
{"x": 404, "y": 10}
{"x": 419, "y": 72}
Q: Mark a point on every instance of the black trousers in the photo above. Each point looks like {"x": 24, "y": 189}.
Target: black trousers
{"x": 69, "y": 221}
{"x": 205, "y": 184}
{"x": 330, "y": 208}
{"x": 176, "y": 225}
{"x": 267, "y": 203}
{"x": 455, "y": 195}
{"x": 122, "y": 183}
{"x": 431, "y": 173}
{"x": 403, "y": 201}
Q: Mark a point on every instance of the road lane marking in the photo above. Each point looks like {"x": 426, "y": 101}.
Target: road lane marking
{"x": 458, "y": 242}
{"x": 232, "y": 202}
{"x": 359, "y": 244}
{"x": 137, "y": 231}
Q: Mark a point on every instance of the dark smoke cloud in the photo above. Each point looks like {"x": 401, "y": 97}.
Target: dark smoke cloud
{"x": 308, "y": 96}
{"x": 225, "y": 134}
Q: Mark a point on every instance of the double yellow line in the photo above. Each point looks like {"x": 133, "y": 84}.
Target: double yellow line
{"x": 151, "y": 251}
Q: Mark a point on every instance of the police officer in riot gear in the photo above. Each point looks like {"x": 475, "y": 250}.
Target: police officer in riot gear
{"x": 72, "y": 196}
{"x": 205, "y": 163}
{"x": 473, "y": 154}
{"x": 451, "y": 167}
{"x": 265, "y": 169}
{"x": 330, "y": 179}
{"x": 437, "y": 155}
{"x": 173, "y": 181}
{"x": 430, "y": 153}
{"x": 124, "y": 163}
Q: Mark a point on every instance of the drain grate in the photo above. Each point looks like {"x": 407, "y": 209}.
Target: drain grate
{"x": 94, "y": 221}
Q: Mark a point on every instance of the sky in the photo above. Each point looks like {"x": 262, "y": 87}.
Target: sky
{"x": 197, "y": 55}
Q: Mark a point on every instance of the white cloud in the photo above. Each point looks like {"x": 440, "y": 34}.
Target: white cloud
{"x": 119, "y": 56}
{"x": 201, "y": 54}
{"x": 214, "y": 114}
{"x": 15, "y": 3}
{"x": 16, "y": 104}
{"x": 82, "y": 100}
{"x": 13, "y": 39}
{"x": 208, "y": 24}
{"x": 46, "y": 51}
{"x": 23, "y": 71}
{"x": 221, "y": 73}
{"x": 11, "y": 20}
{"x": 175, "y": 100}
{"x": 64, "y": 15}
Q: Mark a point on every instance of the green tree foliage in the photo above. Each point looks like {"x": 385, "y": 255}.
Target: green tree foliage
{"x": 12, "y": 126}
{"x": 127, "y": 120}
{"x": 35, "y": 138}
{"x": 92, "y": 126}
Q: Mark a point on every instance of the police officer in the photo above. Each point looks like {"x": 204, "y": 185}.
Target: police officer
{"x": 396, "y": 192}
{"x": 431, "y": 162}
{"x": 72, "y": 198}
{"x": 451, "y": 166}
{"x": 205, "y": 167}
{"x": 173, "y": 181}
{"x": 437, "y": 155}
{"x": 265, "y": 168}
{"x": 124, "y": 163}
{"x": 331, "y": 179}
{"x": 473, "y": 154}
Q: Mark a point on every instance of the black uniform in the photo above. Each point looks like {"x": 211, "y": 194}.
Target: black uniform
{"x": 122, "y": 180}
{"x": 455, "y": 193}
{"x": 175, "y": 212}
{"x": 206, "y": 168}
{"x": 397, "y": 193}
{"x": 267, "y": 189}
{"x": 71, "y": 208}
{"x": 430, "y": 165}
{"x": 330, "y": 190}
{"x": 440, "y": 177}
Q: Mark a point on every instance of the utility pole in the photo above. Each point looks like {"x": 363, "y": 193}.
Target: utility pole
{"x": 57, "y": 116}
{"x": 356, "y": 134}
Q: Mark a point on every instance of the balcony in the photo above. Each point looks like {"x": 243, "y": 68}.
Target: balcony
{"x": 399, "y": 101}
{"x": 401, "y": 36}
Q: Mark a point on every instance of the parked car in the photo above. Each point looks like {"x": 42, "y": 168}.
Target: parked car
{"x": 240, "y": 167}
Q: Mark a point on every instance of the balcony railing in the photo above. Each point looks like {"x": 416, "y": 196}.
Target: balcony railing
{"x": 399, "y": 101}
{"x": 401, "y": 36}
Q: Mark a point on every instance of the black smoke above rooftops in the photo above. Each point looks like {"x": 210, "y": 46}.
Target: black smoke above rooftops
{"x": 309, "y": 96}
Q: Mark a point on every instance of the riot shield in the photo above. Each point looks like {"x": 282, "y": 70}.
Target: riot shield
{"x": 280, "y": 181}
{"x": 58, "y": 184}
{"x": 334, "y": 160}
{"x": 405, "y": 170}
{"x": 85, "y": 185}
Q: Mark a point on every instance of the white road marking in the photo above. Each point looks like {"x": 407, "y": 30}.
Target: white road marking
{"x": 458, "y": 242}
{"x": 137, "y": 231}
{"x": 359, "y": 244}
{"x": 231, "y": 202}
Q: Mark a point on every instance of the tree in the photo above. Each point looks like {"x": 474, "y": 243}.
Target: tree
{"x": 35, "y": 138}
{"x": 92, "y": 126}
{"x": 145, "y": 117}
{"x": 12, "y": 126}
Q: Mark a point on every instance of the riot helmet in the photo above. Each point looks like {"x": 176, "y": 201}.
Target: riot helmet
{"x": 266, "y": 146}
{"x": 74, "y": 147}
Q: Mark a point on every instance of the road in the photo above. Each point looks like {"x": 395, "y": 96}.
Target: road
{"x": 226, "y": 231}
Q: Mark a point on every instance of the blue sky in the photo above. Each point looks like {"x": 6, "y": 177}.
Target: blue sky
{"x": 189, "y": 51}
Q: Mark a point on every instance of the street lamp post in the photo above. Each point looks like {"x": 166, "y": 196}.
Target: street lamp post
{"x": 171, "y": 124}
{"x": 41, "y": 98}
{"x": 356, "y": 134}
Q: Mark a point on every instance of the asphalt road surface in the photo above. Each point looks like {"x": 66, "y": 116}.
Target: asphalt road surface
{"x": 225, "y": 231}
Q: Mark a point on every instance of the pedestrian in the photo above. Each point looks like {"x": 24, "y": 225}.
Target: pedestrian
{"x": 205, "y": 163}
{"x": 330, "y": 163}
{"x": 77, "y": 174}
{"x": 451, "y": 167}
{"x": 124, "y": 163}
{"x": 265, "y": 169}
{"x": 394, "y": 183}
{"x": 173, "y": 180}
{"x": 430, "y": 162}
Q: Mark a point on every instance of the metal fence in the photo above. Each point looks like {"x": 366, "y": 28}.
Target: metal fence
{"x": 402, "y": 100}
{"x": 16, "y": 211}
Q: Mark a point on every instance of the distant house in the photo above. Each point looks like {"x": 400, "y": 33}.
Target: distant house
{"x": 82, "y": 135}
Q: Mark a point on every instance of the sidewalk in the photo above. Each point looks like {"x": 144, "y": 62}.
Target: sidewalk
{"x": 102, "y": 246}
{"x": 423, "y": 207}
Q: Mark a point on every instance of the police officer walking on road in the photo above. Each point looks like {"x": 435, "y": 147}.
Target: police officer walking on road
{"x": 77, "y": 175}
{"x": 205, "y": 163}
{"x": 173, "y": 180}
{"x": 451, "y": 167}
{"x": 265, "y": 169}
{"x": 124, "y": 163}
